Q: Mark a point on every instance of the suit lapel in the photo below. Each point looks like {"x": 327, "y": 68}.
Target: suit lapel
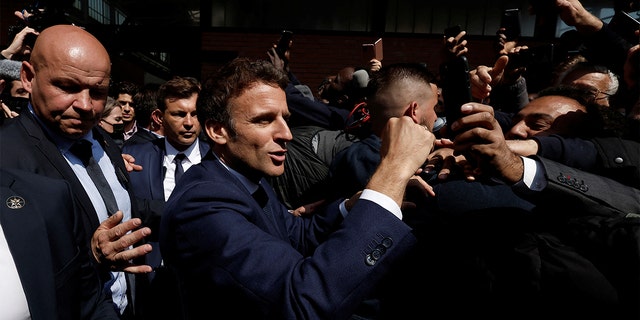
{"x": 50, "y": 151}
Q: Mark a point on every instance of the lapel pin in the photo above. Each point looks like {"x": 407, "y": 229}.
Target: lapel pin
{"x": 15, "y": 202}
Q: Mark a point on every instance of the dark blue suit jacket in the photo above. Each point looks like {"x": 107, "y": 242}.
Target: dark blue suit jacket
{"x": 49, "y": 249}
{"x": 229, "y": 252}
{"x": 25, "y": 145}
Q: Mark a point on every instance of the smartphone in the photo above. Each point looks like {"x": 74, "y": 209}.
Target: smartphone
{"x": 283, "y": 43}
{"x": 372, "y": 51}
{"x": 625, "y": 26}
{"x": 452, "y": 31}
{"x": 510, "y": 21}
{"x": 456, "y": 87}
{"x": 541, "y": 55}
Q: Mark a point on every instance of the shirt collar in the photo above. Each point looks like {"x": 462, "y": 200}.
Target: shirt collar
{"x": 248, "y": 184}
{"x": 192, "y": 153}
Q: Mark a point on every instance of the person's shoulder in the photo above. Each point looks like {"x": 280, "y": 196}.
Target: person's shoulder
{"x": 364, "y": 148}
{"x": 30, "y": 177}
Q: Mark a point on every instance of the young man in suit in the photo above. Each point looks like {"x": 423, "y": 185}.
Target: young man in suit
{"x": 160, "y": 158}
{"x": 47, "y": 271}
{"x": 68, "y": 78}
{"x": 233, "y": 243}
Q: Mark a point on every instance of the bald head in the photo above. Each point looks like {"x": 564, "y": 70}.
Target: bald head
{"x": 68, "y": 79}
{"x": 72, "y": 42}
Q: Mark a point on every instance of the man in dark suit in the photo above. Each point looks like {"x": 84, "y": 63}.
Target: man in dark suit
{"x": 234, "y": 244}
{"x": 67, "y": 78}
{"x": 159, "y": 160}
{"x": 40, "y": 233}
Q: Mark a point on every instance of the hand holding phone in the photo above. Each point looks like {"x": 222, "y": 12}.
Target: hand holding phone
{"x": 283, "y": 44}
{"x": 372, "y": 51}
{"x": 510, "y": 21}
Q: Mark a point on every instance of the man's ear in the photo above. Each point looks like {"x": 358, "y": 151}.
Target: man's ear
{"x": 216, "y": 132}
{"x": 26, "y": 75}
{"x": 3, "y": 83}
{"x": 412, "y": 111}
{"x": 157, "y": 116}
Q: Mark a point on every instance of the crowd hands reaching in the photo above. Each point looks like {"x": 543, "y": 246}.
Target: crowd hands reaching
{"x": 537, "y": 167}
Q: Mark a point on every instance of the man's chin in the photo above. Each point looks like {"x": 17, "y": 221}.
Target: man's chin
{"x": 75, "y": 133}
{"x": 276, "y": 171}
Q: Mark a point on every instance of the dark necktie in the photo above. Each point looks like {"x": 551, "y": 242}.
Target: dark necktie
{"x": 82, "y": 150}
{"x": 179, "y": 169}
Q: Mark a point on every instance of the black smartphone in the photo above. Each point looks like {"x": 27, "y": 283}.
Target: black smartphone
{"x": 510, "y": 21}
{"x": 283, "y": 43}
{"x": 456, "y": 87}
{"x": 625, "y": 25}
{"x": 532, "y": 57}
{"x": 452, "y": 31}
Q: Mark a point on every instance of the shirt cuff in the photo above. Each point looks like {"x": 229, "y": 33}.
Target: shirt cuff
{"x": 533, "y": 178}
{"x": 383, "y": 200}
{"x": 380, "y": 198}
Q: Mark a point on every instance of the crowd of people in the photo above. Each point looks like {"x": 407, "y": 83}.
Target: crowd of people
{"x": 249, "y": 195}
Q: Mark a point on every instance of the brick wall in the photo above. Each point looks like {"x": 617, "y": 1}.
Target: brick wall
{"x": 314, "y": 56}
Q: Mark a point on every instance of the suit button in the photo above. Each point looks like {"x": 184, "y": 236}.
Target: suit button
{"x": 618, "y": 160}
{"x": 376, "y": 254}
{"x": 387, "y": 242}
{"x": 370, "y": 260}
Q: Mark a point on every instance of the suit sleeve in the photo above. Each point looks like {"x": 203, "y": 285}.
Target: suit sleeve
{"x": 586, "y": 193}
{"x": 218, "y": 241}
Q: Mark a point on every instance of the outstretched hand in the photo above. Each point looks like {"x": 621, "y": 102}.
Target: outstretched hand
{"x": 112, "y": 241}
{"x": 483, "y": 78}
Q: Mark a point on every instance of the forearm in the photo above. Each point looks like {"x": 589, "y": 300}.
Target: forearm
{"x": 523, "y": 147}
{"x": 391, "y": 180}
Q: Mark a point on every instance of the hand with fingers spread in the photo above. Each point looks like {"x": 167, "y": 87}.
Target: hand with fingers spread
{"x": 112, "y": 241}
